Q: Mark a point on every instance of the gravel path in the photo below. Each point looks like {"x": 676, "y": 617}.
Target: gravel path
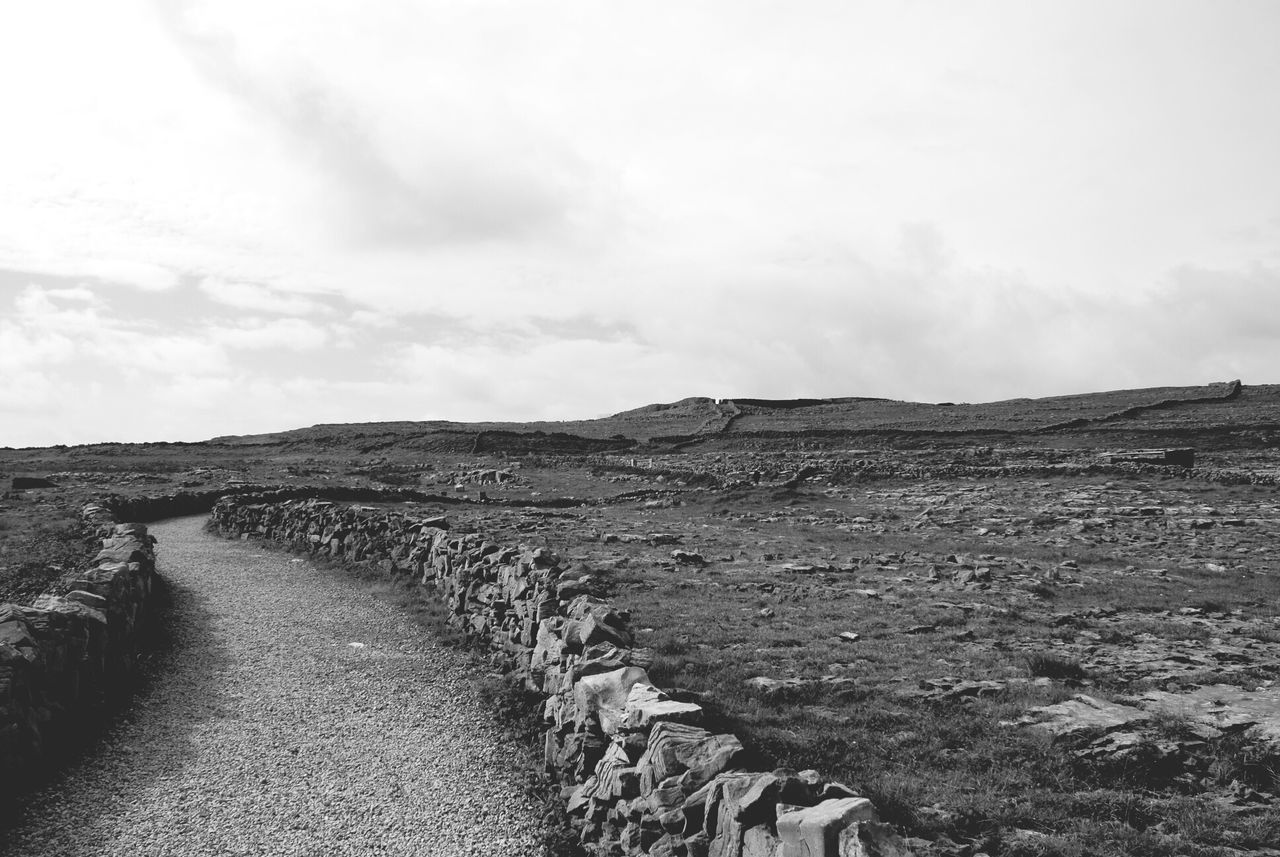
{"x": 299, "y": 715}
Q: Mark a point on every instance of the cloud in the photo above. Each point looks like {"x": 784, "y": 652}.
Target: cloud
{"x": 258, "y": 298}
{"x": 372, "y": 318}
{"x": 76, "y": 294}
{"x": 411, "y": 166}
{"x": 585, "y": 377}
{"x": 1222, "y": 307}
{"x": 29, "y": 396}
{"x": 584, "y": 327}
{"x": 42, "y": 330}
{"x": 38, "y": 307}
{"x": 143, "y": 275}
{"x": 30, "y": 349}
{"x": 289, "y": 333}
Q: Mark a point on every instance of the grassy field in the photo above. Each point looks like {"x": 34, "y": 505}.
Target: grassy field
{"x": 906, "y": 649}
{"x": 40, "y": 540}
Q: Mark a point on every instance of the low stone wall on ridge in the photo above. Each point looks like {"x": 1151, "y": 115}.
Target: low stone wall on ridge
{"x": 642, "y": 776}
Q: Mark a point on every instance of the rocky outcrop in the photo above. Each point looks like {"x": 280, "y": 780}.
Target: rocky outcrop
{"x": 68, "y": 656}
{"x": 641, "y": 773}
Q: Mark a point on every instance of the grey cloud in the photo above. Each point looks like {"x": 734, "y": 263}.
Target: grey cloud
{"x": 453, "y": 195}
{"x": 583, "y": 327}
{"x": 924, "y": 247}
{"x": 1224, "y": 305}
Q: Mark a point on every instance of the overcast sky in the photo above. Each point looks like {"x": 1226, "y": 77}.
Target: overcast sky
{"x": 233, "y": 216}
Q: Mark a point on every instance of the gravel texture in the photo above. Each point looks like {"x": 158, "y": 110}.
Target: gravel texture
{"x": 298, "y": 715}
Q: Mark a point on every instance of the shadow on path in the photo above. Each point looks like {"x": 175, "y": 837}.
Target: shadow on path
{"x": 173, "y": 692}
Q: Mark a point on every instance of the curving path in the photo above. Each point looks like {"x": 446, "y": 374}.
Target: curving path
{"x": 297, "y": 715}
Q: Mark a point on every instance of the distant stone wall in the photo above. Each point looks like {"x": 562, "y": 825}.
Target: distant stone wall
{"x": 641, "y": 774}
{"x": 179, "y": 503}
{"x": 67, "y": 657}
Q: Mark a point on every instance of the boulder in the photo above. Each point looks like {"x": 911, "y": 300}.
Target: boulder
{"x": 615, "y": 777}
{"x": 605, "y": 695}
{"x": 86, "y": 605}
{"x": 675, "y": 749}
{"x": 824, "y": 830}
{"x": 726, "y": 822}
{"x": 760, "y": 841}
{"x": 646, "y": 705}
{"x": 594, "y": 621}
{"x": 549, "y": 649}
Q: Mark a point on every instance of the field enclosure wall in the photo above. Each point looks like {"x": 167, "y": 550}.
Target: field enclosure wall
{"x": 641, "y": 774}
{"x": 179, "y": 503}
{"x": 66, "y": 658}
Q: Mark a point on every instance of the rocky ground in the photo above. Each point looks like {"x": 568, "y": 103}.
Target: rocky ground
{"x": 1012, "y": 643}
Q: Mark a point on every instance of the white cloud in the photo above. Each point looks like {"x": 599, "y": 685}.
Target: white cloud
{"x": 22, "y": 349}
{"x": 490, "y": 382}
{"x": 289, "y": 333}
{"x": 76, "y": 294}
{"x": 144, "y": 275}
{"x": 259, "y": 298}
{"x": 36, "y": 309}
{"x": 28, "y": 396}
{"x": 371, "y": 318}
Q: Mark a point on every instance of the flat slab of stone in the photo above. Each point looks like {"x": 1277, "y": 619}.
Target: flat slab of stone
{"x": 1224, "y": 707}
{"x": 1080, "y": 715}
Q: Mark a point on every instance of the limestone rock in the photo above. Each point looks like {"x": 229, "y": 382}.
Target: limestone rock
{"x": 605, "y": 695}
{"x": 675, "y": 748}
{"x": 87, "y": 606}
{"x": 731, "y": 808}
{"x": 594, "y": 621}
{"x": 824, "y": 830}
{"x": 646, "y": 705}
{"x": 549, "y": 649}
{"x": 760, "y": 841}
{"x": 1224, "y": 707}
{"x": 1080, "y": 715}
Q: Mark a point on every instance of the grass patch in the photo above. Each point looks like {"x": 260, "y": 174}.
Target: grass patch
{"x": 38, "y": 552}
{"x": 1042, "y": 664}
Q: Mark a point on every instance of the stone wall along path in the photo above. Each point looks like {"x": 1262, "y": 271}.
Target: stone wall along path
{"x": 298, "y": 715}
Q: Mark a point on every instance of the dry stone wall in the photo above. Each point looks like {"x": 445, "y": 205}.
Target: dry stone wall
{"x": 68, "y": 656}
{"x": 178, "y": 503}
{"x": 641, "y": 773}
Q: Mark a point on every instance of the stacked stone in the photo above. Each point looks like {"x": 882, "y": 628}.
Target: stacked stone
{"x": 67, "y": 656}
{"x": 187, "y": 502}
{"x": 640, "y": 773}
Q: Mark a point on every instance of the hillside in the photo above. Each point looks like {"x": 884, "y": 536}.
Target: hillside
{"x": 1162, "y": 413}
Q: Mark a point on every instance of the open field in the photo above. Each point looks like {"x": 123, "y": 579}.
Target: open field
{"x": 1011, "y": 644}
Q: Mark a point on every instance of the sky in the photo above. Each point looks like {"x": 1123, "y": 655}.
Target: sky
{"x": 253, "y": 215}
